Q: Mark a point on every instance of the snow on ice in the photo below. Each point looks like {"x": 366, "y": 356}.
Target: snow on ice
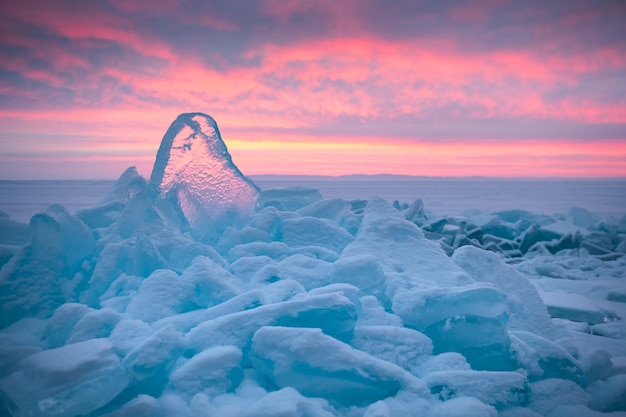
{"x": 197, "y": 294}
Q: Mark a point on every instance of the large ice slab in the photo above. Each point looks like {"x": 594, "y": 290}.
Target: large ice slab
{"x": 334, "y": 313}
{"x": 469, "y": 319}
{"x": 198, "y": 183}
{"x": 527, "y": 311}
{"x": 400, "y": 345}
{"x": 149, "y": 363}
{"x": 68, "y": 381}
{"x": 299, "y": 358}
{"x": 213, "y": 371}
{"x": 422, "y": 308}
{"x": 500, "y": 389}
{"x": 573, "y": 307}
{"x": 30, "y": 281}
{"x": 542, "y": 358}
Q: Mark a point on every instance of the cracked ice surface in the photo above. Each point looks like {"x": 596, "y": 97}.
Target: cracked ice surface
{"x": 197, "y": 180}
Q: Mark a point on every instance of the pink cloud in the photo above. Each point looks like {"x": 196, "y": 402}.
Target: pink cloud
{"x": 82, "y": 24}
{"x": 281, "y": 92}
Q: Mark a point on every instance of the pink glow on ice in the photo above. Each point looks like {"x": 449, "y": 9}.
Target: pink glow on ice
{"x": 194, "y": 171}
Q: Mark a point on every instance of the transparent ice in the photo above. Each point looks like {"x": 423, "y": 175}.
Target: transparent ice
{"x": 196, "y": 178}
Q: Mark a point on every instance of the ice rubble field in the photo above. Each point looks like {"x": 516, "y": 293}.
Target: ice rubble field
{"x": 197, "y": 294}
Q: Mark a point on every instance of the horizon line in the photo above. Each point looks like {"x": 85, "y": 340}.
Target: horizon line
{"x": 364, "y": 177}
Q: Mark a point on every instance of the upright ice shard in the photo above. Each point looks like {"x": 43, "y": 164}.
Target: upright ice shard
{"x": 197, "y": 183}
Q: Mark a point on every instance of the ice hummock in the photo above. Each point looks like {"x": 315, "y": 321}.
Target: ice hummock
{"x": 305, "y": 306}
{"x": 197, "y": 182}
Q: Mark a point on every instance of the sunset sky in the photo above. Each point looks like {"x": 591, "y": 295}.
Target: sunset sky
{"x": 329, "y": 87}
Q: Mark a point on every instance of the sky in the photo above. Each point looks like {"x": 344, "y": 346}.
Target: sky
{"x": 326, "y": 87}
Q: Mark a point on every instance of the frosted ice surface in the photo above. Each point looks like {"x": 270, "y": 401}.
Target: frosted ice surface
{"x": 546, "y": 394}
{"x": 29, "y": 282}
{"x": 470, "y": 320}
{"x": 123, "y": 311}
{"x": 407, "y": 258}
{"x": 574, "y": 307}
{"x": 334, "y": 209}
{"x": 288, "y": 402}
{"x": 68, "y": 381}
{"x": 210, "y": 371}
{"x": 394, "y": 344}
{"x": 332, "y": 313}
{"x": 77, "y": 239}
{"x": 197, "y": 179}
{"x": 299, "y": 358}
{"x": 304, "y": 231}
{"x": 461, "y": 407}
{"x": 94, "y": 324}
{"x": 149, "y": 363}
{"x": 140, "y": 406}
{"x": 499, "y": 389}
{"x": 421, "y": 308}
{"x": 12, "y": 232}
{"x": 597, "y": 364}
{"x": 609, "y": 395}
{"x": 528, "y": 311}
{"x": 60, "y": 325}
{"x": 127, "y": 185}
{"x": 542, "y": 358}
{"x": 288, "y": 198}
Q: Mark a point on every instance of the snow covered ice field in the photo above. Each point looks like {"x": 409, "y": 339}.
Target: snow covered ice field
{"x": 198, "y": 292}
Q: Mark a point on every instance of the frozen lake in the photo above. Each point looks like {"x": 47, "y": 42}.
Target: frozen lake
{"x": 316, "y": 305}
{"x": 443, "y": 196}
